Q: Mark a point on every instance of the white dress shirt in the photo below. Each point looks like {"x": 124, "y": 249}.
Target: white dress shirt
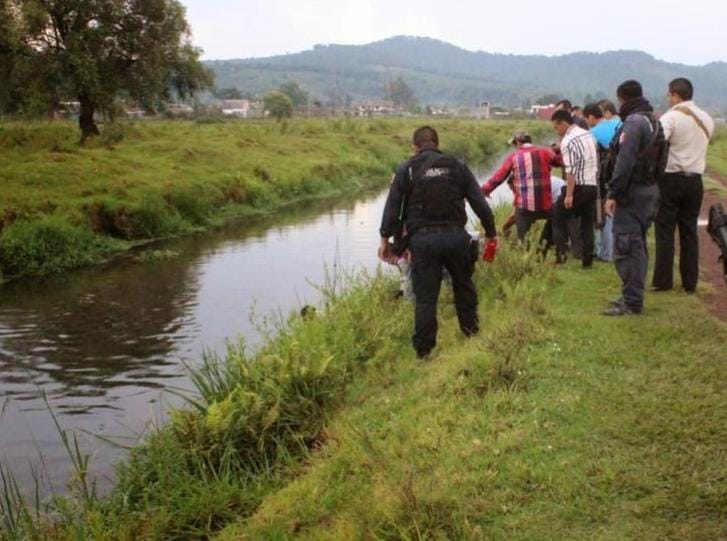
{"x": 687, "y": 141}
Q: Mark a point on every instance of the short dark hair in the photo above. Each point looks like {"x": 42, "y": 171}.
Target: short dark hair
{"x": 425, "y": 137}
{"x": 562, "y": 116}
{"x": 682, "y": 87}
{"x": 608, "y": 106}
{"x": 629, "y": 90}
{"x": 592, "y": 109}
{"x": 567, "y": 105}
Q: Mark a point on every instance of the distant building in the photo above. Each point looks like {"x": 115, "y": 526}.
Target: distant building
{"x": 179, "y": 109}
{"x": 543, "y": 112}
{"x": 377, "y": 108}
{"x": 238, "y": 108}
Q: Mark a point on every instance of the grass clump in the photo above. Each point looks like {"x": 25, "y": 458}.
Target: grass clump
{"x": 49, "y": 245}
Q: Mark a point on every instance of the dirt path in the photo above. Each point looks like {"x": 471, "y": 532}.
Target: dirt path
{"x": 711, "y": 269}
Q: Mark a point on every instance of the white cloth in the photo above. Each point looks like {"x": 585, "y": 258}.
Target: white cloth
{"x": 580, "y": 156}
{"x": 556, "y": 186}
{"x": 687, "y": 141}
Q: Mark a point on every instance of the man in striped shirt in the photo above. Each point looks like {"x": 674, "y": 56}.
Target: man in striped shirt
{"x": 530, "y": 168}
{"x": 580, "y": 157}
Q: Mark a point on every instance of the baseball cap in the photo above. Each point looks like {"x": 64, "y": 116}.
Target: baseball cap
{"x": 519, "y": 135}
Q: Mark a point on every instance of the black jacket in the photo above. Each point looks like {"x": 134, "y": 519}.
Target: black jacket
{"x": 633, "y": 166}
{"x": 405, "y": 200}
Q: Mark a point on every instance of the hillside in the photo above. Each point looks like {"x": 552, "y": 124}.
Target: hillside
{"x": 442, "y": 73}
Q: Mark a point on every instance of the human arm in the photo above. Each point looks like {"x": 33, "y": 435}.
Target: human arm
{"x": 500, "y": 176}
{"x": 392, "y": 218}
{"x": 570, "y": 186}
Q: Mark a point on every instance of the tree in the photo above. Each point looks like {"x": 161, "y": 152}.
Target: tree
{"x": 101, "y": 50}
{"x": 399, "y": 92}
{"x": 278, "y": 104}
{"x": 547, "y": 99}
{"x": 297, "y": 95}
{"x": 229, "y": 93}
{"x": 10, "y": 55}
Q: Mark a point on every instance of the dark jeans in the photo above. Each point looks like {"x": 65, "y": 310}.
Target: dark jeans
{"x": 524, "y": 220}
{"x": 584, "y": 207}
{"x": 430, "y": 251}
{"x": 679, "y": 205}
{"x": 634, "y": 215}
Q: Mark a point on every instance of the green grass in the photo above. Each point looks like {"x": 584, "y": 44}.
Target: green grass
{"x": 717, "y": 153}
{"x": 600, "y": 428}
{"x": 150, "y": 180}
{"x": 554, "y": 423}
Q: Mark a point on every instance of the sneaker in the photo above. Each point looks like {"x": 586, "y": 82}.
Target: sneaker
{"x": 619, "y": 310}
{"x": 616, "y": 302}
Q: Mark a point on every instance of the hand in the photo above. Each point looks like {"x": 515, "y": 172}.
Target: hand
{"x": 385, "y": 254}
{"x": 568, "y": 201}
{"x": 610, "y": 207}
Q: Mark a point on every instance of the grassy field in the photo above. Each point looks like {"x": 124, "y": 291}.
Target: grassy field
{"x": 63, "y": 205}
{"x": 554, "y": 423}
{"x": 717, "y": 155}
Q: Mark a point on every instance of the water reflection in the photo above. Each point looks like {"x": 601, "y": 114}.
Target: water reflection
{"x": 103, "y": 343}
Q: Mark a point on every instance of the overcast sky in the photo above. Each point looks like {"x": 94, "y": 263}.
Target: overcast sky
{"x": 690, "y": 32}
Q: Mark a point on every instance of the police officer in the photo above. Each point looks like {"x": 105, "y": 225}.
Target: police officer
{"x": 633, "y": 194}
{"x": 431, "y": 188}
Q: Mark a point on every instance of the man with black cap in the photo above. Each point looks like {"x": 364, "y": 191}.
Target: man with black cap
{"x": 530, "y": 167}
{"x": 428, "y": 193}
{"x": 633, "y": 193}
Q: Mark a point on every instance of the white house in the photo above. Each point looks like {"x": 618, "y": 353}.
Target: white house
{"x": 239, "y": 108}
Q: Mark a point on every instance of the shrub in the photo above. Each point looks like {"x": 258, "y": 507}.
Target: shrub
{"x": 49, "y": 245}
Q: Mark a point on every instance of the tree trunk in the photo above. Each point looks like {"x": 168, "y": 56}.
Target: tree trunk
{"x": 85, "y": 120}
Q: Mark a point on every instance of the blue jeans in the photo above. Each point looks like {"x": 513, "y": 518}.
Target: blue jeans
{"x": 605, "y": 240}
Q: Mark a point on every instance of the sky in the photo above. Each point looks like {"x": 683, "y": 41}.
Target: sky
{"x": 691, "y": 32}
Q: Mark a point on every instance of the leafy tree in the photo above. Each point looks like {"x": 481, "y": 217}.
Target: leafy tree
{"x": 278, "y": 104}
{"x": 297, "y": 95}
{"x": 229, "y": 93}
{"x": 10, "y": 56}
{"x": 101, "y": 50}
{"x": 399, "y": 92}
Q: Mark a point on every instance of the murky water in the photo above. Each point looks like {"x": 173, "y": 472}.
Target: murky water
{"x": 104, "y": 346}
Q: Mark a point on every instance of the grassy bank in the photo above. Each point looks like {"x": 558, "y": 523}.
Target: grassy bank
{"x": 554, "y": 423}
{"x": 63, "y": 205}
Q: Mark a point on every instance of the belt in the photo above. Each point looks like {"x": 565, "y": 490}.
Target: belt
{"x": 684, "y": 174}
{"x": 438, "y": 228}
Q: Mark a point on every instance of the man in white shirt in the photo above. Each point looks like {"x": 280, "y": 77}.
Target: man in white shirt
{"x": 580, "y": 158}
{"x": 688, "y": 130}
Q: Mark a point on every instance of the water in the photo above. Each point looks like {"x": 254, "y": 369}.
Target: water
{"x": 105, "y": 345}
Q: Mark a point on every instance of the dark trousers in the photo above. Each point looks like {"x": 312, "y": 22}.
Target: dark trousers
{"x": 634, "y": 215}
{"x": 430, "y": 251}
{"x": 680, "y": 200}
{"x": 524, "y": 220}
{"x": 584, "y": 207}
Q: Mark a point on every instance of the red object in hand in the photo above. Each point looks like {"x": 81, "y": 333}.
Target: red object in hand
{"x": 488, "y": 254}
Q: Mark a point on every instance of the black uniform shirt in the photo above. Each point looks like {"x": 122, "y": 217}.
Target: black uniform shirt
{"x": 392, "y": 210}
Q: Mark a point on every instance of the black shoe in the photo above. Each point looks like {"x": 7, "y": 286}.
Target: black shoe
{"x": 659, "y": 289}
{"x": 424, "y": 354}
{"x": 690, "y": 291}
{"x": 620, "y": 310}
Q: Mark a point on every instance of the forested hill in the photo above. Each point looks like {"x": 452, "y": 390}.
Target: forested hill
{"x": 442, "y": 73}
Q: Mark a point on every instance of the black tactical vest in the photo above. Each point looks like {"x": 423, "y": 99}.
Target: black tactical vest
{"x": 436, "y": 191}
{"x": 651, "y": 162}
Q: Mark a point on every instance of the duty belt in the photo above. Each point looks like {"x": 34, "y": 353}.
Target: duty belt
{"x": 438, "y": 228}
